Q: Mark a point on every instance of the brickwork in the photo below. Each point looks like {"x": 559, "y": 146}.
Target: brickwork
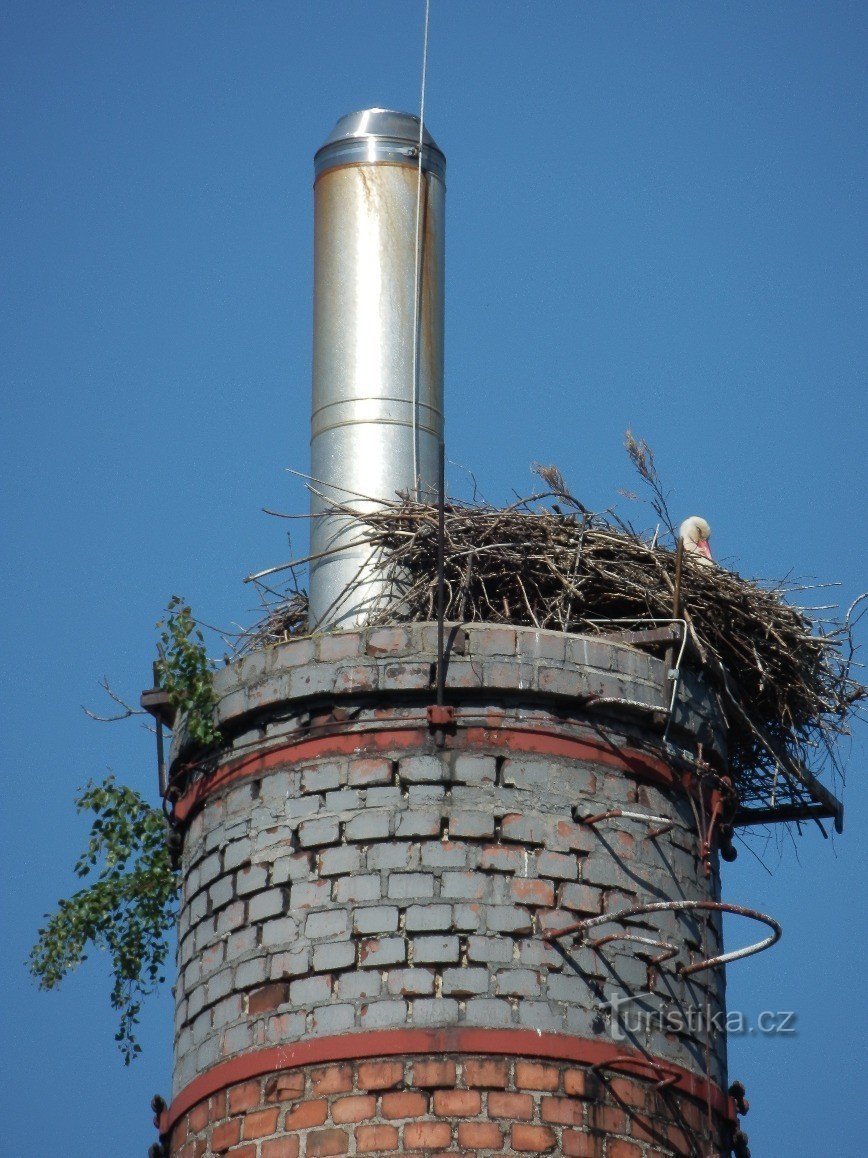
{"x": 447, "y": 1105}
{"x": 343, "y": 874}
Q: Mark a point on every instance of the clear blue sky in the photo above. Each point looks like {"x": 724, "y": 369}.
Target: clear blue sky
{"x": 656, "y": 219}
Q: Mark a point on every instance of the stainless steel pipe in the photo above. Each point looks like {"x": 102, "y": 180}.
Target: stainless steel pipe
{"x": 377, "y": 411}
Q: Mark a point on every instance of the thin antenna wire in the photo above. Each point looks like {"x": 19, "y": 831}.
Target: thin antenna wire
{"x": 417, "y": 288}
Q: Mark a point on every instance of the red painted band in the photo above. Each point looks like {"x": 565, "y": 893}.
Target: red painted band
{"x": 518, "y": 1043}
{"x": 389, "y": 739}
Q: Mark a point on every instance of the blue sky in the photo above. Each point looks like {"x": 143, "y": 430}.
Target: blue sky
{"x": 656, "y": 219}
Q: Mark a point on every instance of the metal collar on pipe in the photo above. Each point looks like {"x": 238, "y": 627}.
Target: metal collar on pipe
{"x": 379, "y": 136}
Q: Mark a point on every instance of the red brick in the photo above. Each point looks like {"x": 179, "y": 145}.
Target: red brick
{"x": 533, "y": 1076}
{"x": 198, "y": 1118}
{"x": 284, "y": 1087}
{"x": 407, "y": 1104}
{"x": 608, "y": 1119}
{"x": 532, "y": 1139}
{"x": 618, "y": 1149}
{"x": 226, "y": 1135}
{"x": 480, "y": 1135}
{"x": 457, "y": 1103}
{"x": 261, "y": 1124}
{"x": 577, "y": 1144}
{"x": 516, "y": 1106}
{"x": 244, "y": 1097}
{"x": 280, "y": 1148}
{"x": 381, "y": 1075}
{"x": 575, "y": 1083}
{"x": 267, "y": 997}
{"x": 426, "y": 1135}
{"x": 372, "y": 1138}
{"x": 677, "y": 1140}
{"x": 354, "y": 1109}
{"x": 243, "y": 1151}
{"x": 533, "y": 892}
{"x": 336, "y": 1079}
{"x": 324, "y": 1142}
{"x": 306, "y": 1114}
{"x": 626, "y": 1091}
{"x": 562, "y": 1111}
{"x": 434, "y": 1073}
{"x": 492, "y": 1072}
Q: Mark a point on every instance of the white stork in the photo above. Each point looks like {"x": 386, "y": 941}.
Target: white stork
{"x": 695, "y": 533}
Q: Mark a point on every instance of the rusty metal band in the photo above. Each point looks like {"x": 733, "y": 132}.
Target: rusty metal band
{"x": 381, "y": 739}
{"x": 518, "y": 1043}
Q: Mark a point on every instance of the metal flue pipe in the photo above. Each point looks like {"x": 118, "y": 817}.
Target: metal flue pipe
{"x": 377, "y": 413}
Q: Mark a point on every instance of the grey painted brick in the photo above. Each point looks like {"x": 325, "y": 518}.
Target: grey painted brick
{"x": 537, "y": 954}
{"x": 388, "y": 641}
{"x": 276, "y": 788}
{"x": 410, "y": 886}
{"x": 411, "y": 982}
{"x": 344, "y": 801}
{"x": 251, "y": 879}
{"x": 531, "y": 774}
{"x": 488, "y": 1011}
{"x": 374, "y": 954}
{"x": 221, "y": 892}
{"x": 435, "y": 950}
{"x": 569, "y": 987}
{"x": 350, "y": 986}
{"x": 310, "y": 991}
{"x": 508, "y": 919}
{"x": 581, "y": 898}
{"x": 331, "y": 923}
{"x": 393, "y": 856}
{"x": 309, "y": 895}
{"x": 280, "y": 932}
{"x": 333, "y": 956}
{"x": 368, "y": 826}
{"x": 435, "y": 1011}
{"x": 355, "y": 678}
{"x": 471, "y": 824}
{"x": 208, "y": 1053}
{"x": 365, "y": 887}
{"x": 492, "y": 641}
{"x": 475, "y": 769}
{"x": 382, "y": 1013}
{"x": 311, "y": 680}
{"x": 196, "y": 1002}
{"x": 303, "y": 806}
{"x": 465, "y": 886}
{"x": 340, "y": 861}
{"x": 197, "y": 908}
{"x": 289, "y": 964}
{"x": 465, "y": 982}
{"x": 426, "y": 794}
{"x": 226, "y": 1011}
{"x": 237, "y": 1038}
{"x": 558, "y": 865}
{"x": 312, "y": 833}
{"x": 492, "y": 950}
{"x": 297, "y": 867}
{"x": 328, "y": 1019}
{"x": 376, "y": 919}
{"x": 446, "y": 854}
{"x": 405, "y": 675}
{"x": 389, "y": 797}
{"x": 267, "y": 904}
{"x": 468, "y": 918}
{"x": 252, "y": 972}
{"x": 204, "y": 934}
{"x": 428, "y": 918}
{"x": 422, "y": 769}
{"x": 283, "y": 1027}
{"x": 524, "y": 829}
{"x": 334, "y": 645}
{"x": 218, "y": 985}
{"x": 517, "y": 983}
{"x": 239, "y": 942}
{"x": 418, "y": 822}
{"x": 540, "y": 1015}
{"x": 368, "y": 773}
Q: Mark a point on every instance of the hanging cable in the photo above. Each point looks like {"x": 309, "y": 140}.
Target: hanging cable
{"x": 417, "y": 287}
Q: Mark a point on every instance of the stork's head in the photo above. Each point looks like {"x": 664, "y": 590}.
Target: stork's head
{"x": 696, "y": 532}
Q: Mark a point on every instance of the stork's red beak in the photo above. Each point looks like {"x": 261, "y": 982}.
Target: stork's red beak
{"x": 703, "y": 548}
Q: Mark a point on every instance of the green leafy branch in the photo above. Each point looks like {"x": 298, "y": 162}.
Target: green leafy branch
{"x": 185, "y": 672}
{"x": 127, "y": 911}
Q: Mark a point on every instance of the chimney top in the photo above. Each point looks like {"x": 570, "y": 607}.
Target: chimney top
{"x": 379, "y": 135}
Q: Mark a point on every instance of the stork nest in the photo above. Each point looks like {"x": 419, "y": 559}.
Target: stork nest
{"x": 785, "y": 681}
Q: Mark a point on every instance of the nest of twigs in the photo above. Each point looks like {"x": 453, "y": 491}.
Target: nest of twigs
{"x": 784, "y": 679}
